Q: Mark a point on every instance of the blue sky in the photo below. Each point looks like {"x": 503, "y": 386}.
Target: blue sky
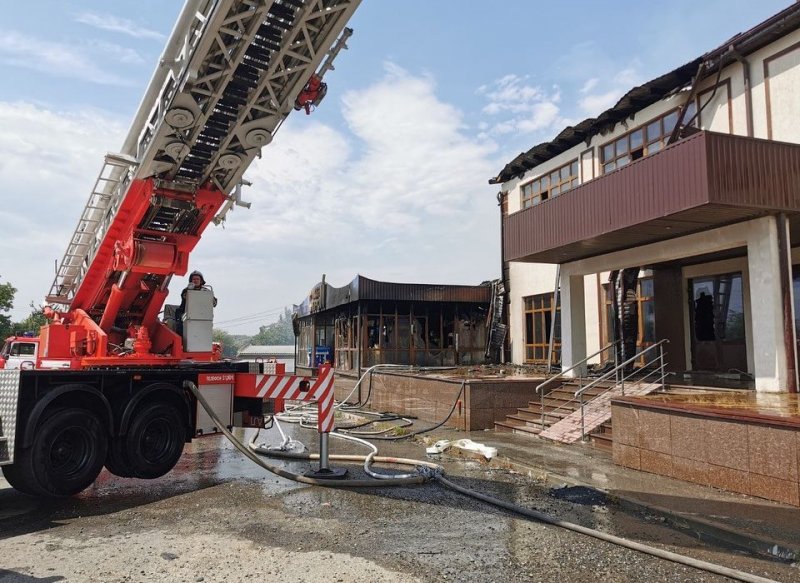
{"x": 388, "y": 178}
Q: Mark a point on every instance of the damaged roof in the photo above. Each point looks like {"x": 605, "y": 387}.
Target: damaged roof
{"x": 363, "y": 288}
{"x": 653, "y": 91}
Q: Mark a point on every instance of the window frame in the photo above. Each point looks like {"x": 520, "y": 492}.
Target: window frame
{"x": 539, "y": 306}
{"x": 542, "y": 188}
{"x": 649, "y": 144}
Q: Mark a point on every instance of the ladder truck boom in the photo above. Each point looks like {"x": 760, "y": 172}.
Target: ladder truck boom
{"x": 113, "y": 385}
{"x": 231, "y": 73}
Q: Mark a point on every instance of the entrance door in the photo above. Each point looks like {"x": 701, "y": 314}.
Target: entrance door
{"x": 717, "y": 323}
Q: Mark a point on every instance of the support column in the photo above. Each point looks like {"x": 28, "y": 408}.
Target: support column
{"x": 763, "y": 258}
{"x": 573, "y": 322}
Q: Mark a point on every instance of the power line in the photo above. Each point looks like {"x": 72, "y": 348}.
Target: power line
{"x": 254, "y": 316}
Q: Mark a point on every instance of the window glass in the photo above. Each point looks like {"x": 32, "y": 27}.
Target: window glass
{"x": 574, "y": 169}
{"x": 637, "y": 139}
{"x": 691, "y": 109}
{"x": 654, "y": 131}
{"x": 649, "y": 315}
{"x": 608, "y": 167}
{"x": 608, "y": 152}
{"x": 669, "y": 122}
{"x": 653, "y": 148}
{"x": 622, "y": 146}
{"x": 538, "y": 316}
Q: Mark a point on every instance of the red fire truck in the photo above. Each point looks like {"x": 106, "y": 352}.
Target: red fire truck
{"x": 111, "y": 383}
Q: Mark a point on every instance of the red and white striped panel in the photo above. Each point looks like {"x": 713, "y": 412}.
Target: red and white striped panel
{"x": 288, "y": 387}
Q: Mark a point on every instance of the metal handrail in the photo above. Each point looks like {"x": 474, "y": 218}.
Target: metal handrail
{"x": 574, "y": 366}
{"x": 621, "y": 367}
{"x": 620, "y": 380}
{"x": 540, "y": 387}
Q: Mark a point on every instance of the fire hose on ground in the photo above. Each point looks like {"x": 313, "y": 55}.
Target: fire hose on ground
{"x": 428, "y": 471}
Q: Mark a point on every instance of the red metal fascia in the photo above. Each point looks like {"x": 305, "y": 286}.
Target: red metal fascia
{"x": 292, "y": 387}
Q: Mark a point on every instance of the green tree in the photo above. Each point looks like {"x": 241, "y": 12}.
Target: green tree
{"x": 277, "y": 333}
{"x": 32, "y": 323}
{"x": 7, "y": 292}
{"x": 229, "y": 345}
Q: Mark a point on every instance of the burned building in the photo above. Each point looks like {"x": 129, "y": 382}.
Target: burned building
{"x": 368, "y": 322}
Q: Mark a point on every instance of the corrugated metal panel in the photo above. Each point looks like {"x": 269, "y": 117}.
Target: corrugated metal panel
{"x": 754, "y": 173}
{"x": 701, "y": 182}
{"x": 422, "y": 292}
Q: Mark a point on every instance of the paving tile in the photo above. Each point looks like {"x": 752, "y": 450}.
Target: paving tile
{"x": 690, "y": 470}
{"x": 655, "y": 462}
{"x": 773, "y": 452}
{"x": 625, "y": 455}
{"x": 687, "y": 437}
{"x": 729, "y": 479}
{"x": 774, "y": 489}
{"x": 654, "y": 431}
{"x": 625, "y": 421}
{"x": 726, "y": 444}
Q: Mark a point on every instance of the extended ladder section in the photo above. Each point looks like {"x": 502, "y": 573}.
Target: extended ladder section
{"x": 230, "y": 75}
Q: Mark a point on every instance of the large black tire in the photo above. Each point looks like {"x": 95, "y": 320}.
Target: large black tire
{"x": 68, "y": 451}
{"x": 116, "y": 459}
{"x": 19, "y": 481}
{"x": 155, "y": 439}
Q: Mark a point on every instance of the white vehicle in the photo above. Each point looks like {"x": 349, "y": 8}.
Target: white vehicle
{"x": 20, "y": 352}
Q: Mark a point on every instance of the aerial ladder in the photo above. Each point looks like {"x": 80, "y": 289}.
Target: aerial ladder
{"x": 111, "y": 379}
{"x": 231, "y": 73}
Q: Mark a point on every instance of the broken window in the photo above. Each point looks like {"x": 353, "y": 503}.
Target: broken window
{"x": 643, "y": 141}
{"x": 556, "y": 182}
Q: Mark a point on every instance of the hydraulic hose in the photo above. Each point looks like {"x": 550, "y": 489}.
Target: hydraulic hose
{"x": 419, "y": 479}
{"x": 368, "y": 459}
{"x": 628, "y": 544}
{"x": 430, "y": 471}
{"x": 427, "y": 429}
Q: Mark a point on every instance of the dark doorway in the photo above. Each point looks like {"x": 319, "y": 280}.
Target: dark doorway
{"x": 716, "y": 314}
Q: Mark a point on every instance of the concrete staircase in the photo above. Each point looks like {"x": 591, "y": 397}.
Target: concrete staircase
{"x": 562, "y": 416}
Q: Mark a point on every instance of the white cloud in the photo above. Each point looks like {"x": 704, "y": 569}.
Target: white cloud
{"x": 524, "y": 108}
{"x": 116, "y": 52}
{"x": 52, "y": 58}
{"x": 543, "y": 115}
{"x": 599, "y": 95}
{"x": 48, "y": 162}
{"x": 589, "y": 85}
{"x": 116, "y": 24}
{"x": 400, "y": 194}
{"x": 598, "y": 103}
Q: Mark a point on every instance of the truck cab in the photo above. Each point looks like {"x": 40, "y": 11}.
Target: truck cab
{"x": 20, "y": 352}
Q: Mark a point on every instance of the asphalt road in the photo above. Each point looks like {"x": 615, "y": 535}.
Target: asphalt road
{"x": 219, "y": 517}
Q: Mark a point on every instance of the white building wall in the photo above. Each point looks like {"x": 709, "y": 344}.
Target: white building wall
{"x": 775, "y": 85}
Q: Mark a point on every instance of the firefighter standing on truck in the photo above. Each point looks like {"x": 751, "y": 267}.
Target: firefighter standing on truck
{"x": 196, "y": 281}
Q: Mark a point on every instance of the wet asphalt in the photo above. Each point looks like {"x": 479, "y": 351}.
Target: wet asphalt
{"x": 424, "y": 533}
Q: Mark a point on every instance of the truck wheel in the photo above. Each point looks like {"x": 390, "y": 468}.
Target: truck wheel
{"x": 66, "y": 456}
{"x": 155, "y": 439}
{"x": 116, "y": 461}
{"x": 16, "y": 476}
